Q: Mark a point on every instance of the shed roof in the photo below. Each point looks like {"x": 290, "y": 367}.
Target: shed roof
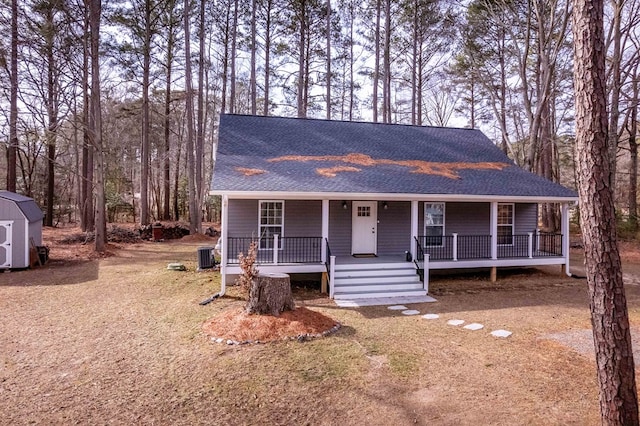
{"x": 258, "y": 153}
{"x": 27, "y": 205}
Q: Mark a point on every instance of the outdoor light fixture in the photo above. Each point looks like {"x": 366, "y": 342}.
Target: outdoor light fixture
{"x": 385, "y": 205}
{"x": 344, "y": 205}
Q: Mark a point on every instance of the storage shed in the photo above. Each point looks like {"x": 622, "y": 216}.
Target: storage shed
{"x": 20, "y": 229}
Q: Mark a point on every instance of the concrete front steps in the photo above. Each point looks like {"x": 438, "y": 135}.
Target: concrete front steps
{"x": 364, "y": 281}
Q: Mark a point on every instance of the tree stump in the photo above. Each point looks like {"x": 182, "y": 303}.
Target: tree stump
{"x": 270, "y": 294}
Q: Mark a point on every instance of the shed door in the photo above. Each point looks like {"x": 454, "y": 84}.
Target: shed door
{"x": 364, "y": 227}
{"x": 6, "y": 228}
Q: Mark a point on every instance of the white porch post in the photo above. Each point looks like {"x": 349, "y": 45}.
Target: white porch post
{"x": 530, "y": 245}
{"x": 494, "y": 229}
{"x": 225, "y": 243}
{"x": 425, "y": 270}
{"x": 325, "y": 229}
{"x": 276, "y": 244}
{"x": 414, "y": 228}
{"x": 455, "y": 246}
{"x": 565, "y": 237}
{"x": 332, "y": 273}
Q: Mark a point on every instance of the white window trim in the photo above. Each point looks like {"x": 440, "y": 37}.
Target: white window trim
{"x": 444, "y": 221}
{"x": 260, "y": 226}
{"x": 513, "y": 223}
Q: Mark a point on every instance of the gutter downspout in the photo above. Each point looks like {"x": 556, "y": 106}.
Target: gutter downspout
{"x": 225, "y": 245}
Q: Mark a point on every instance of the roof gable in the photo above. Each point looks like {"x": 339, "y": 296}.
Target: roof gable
{"x": 27, "y": 206}
{"x": 306, "y": 155}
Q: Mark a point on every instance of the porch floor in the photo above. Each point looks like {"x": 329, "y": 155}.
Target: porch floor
{"x": 383, "y": 301}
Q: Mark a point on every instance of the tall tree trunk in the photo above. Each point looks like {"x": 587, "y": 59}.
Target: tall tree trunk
{"x": 234, "y": 42}
{"x": 199, "y": 148}
{"x": 96, "y": 133}
{"x": 167, "y": 123}
{"x": 632, "y": 129}
{"x": 376, "y": 67}
{"x": 52, "y": 114}
{"x": 386, "y": 98}
{"x": 267, "y": 55}
{"x": 225, "y": 60}
{"x": 144, "y": 160}
{"x": 252, "y": 77}
{"x": 351, "y": 61}
{"x": 414, "y": 64}
{"x": 609, "y": 317}
{"x": 328, "y": 59}
{"x": 302, "y": 21}
{"x": 616, "y": 86}
{"x": 193, "y": 214}
{"x": 13, "y": 108}
{"x": 88, "y": 215}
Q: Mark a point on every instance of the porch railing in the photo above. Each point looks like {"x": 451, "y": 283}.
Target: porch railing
{"x": 456, "y": 247}
{"x": 439, "y": 248}
{"x": 276, "y": 250}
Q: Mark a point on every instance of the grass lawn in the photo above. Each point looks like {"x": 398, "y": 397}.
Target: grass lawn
{"x": 119, "y": 340}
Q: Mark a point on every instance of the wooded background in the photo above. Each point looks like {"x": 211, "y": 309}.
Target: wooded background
{"x": 116, "y": 104}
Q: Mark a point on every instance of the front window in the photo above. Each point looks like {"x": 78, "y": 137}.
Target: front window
{"x": 505, "y": 224}
{"x": 433, "y": 223}
{"x": 271, "y": 223}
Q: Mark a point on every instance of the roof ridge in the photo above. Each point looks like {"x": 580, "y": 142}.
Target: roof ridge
{"x": 348, "y": 121}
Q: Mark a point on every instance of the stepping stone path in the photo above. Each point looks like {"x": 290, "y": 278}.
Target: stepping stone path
{"x": 397, "y": 308}
{"x": 474, "y": 326}
{"x": 501, "y": 333}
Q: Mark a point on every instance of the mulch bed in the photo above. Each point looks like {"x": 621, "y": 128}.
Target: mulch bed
{"x": 238, "y": 326}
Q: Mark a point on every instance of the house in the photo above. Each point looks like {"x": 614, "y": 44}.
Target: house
{"x": 20, "y": 229}
{"x": 375, "y": 207}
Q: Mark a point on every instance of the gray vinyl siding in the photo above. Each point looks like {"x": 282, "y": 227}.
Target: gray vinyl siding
{"x": 526, "y": 218}
{"x": 339, "y": 228}
{"x": 467, "y": 218}
{"x": 302, "y": 218}
{"x": 394, "y": 227}
{"x": 243, "y": 218}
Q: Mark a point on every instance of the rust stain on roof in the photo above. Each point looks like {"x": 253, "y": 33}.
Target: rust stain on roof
{"x": 333, "y": 171}
{"x": 249, "y": 172}
{"x": 448, "y": 170}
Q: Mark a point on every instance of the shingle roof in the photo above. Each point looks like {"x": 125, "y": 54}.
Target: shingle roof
{"x": 27, "y": 205}
{"x": 257, "y": 153}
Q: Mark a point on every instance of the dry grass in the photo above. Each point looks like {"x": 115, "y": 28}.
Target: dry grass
{"x": 119, "y": 340}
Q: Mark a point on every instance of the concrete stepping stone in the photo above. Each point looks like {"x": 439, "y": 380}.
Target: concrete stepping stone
{"x": 397, "y": 308}
{"x": 410, "y": 312}
{"x": 501, "y": 333}
{"x": 473, "y": 326}
{"x": 455, "y": 322}
{"x": 431, "y": 316}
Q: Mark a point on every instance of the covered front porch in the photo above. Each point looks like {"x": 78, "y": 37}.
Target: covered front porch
{"x": 378, "y": 246}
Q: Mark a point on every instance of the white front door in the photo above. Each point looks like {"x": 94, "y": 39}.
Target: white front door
{"x": 5, "y": 243}
{"x": 364, "y": 227}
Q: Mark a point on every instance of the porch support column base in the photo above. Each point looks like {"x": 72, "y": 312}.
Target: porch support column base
{"x": 324, "y": 283}
{"x": 494, "y": 274}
